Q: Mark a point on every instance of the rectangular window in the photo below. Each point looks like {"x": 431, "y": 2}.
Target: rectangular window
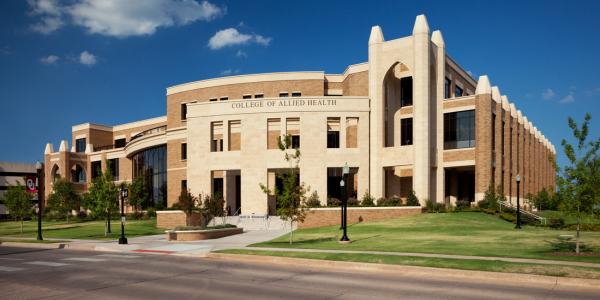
{"x": 273, "y": 133}
{"x": 213, "y": 99}
{"x": 184, "y": 185}
{"x": 333, "y": 132}
{"x": 258, "y": 96}
{"x": 459, "y": 129}
{"x": 296, "y": 94}
{"x": 183, "y": 111}
{"x": 235, "y": 135}
{"x": 406, "y": 131}
{"x": 224, "y": 98}
{"x": 183, "y": 151}
{"x": 216, "y": 137}
{"x": 447, "y": 85}
{"x": 293, "y": 129}
{"x": 113, "y": 164}
{"x": 458, "y": 91}
{"x": 406, "y": 91}
{"x": 96, "y": 169}
{"x": 120, "y": 143}
{"x": 283, "y": 94}
{"x": 351, "y": 132}
{"x": 247, "y": 97}
{"x": 80, "y": 145}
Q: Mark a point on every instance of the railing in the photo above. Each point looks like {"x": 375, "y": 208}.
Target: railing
{"x": 542, "y": 220}
{"x": 149, "y": 131}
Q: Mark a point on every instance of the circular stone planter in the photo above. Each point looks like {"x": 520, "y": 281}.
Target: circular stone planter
{"x": 196, "y": 235}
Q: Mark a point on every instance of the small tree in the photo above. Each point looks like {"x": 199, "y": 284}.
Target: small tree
{"x": 188, "y": 203}
{"x": 102, "y": 198}
{"x": 64, "y": 199}
{"x": 580, "y": 179}
{"x": 291, "y": 199}
{"x": 138, "y": 194}
{"x": 18, "y": 202}
{"x": 412, "y": 199}
{"x": 313, "y": 200}
{"x": 213, "y": 207}
{"x": 490, "y": 198}
{"x": 367, "y": 199}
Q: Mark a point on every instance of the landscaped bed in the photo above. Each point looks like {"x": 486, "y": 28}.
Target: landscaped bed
{"x": 195, "y": 233}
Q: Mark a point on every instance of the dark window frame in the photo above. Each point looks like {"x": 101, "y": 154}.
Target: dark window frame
{"x": 406, "y": 91}
{"x": 80, "y": 145}
{"x": 183, "y": 111}
{"x": 183, "y": 151}
{"x": 406, "y": 131}
{"x": 459, "y": 130}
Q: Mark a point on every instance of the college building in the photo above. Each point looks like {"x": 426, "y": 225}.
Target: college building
{"x": 410, "y": 118}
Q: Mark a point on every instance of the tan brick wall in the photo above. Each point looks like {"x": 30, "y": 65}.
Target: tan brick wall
{"x": 526, "y": 163}
{"x": 174, "y": 178}
{"x": 483, "y": 150}
{"x": 172, "y": 218}
{"x": 507, "y": 162}
{"x": 356, "y": 84}
{"x": 514, "y": 172}
{"x": 498, "y": 149}
{"x": 458, "y": 103}
{"x": 326, "y": 217}
{"x": 352, "y": 136}
{"x": 521, "y": 158}
{"x": 458, "y": 155}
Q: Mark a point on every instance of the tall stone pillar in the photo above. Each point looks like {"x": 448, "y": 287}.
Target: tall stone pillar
{"x": 376, "y": 94}
{"x": 440, "y": 68}
{"x": 483, "y": 136}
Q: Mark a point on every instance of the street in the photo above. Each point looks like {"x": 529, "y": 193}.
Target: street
{"x": 27, "y": 273}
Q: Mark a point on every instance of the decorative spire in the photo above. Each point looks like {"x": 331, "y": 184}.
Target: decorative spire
{"x": 64, "y": 145}
{"x": 49, "y": 148}
{"x": 421, "y": 25}
{"x": 438, "y": 39}
{"x": 496, "y": 94}
{"x": 483, "y": 86}
{"x": 376, "y": 35}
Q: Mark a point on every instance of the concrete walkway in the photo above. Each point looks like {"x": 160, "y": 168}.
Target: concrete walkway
{"x": 433, "y": 255}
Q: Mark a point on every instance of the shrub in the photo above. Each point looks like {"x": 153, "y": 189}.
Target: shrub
{"x": 556, "y": 223}
{"x": 463, "y": 204}
{"x": 412, "y": 199}
{"x": 352, "y": 201}
{"x": 367, "y": 200}
{"x": 151, "y": 212}
{"x": 313, "y": 200}
{"x": 392, "y": 201}
{"x": 333, "y": 201}
{"x": 434, "y": 207}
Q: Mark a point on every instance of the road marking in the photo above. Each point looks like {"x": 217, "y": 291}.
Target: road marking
{"x": 119, "y": 256}
{"x": 10, "y": 269}
{"x": 88, "y": 259}
{"x": 46, "y": 263}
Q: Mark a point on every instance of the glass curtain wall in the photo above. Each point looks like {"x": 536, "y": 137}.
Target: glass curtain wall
{"x": 152, "y": 165}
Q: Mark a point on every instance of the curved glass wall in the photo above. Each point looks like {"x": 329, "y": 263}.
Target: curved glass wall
{"x": 151, "y": 163}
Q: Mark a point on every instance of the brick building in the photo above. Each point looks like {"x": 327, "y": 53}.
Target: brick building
{"x": 408, "y": 119}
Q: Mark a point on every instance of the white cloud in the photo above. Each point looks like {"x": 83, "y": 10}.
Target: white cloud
{"x": 548, "y": 94}
{"x": 241, "y": 53}
{"x": 121, "y": 18}
{"x": 231, "y": 37}
{"x": 230, "y": 72}
{"x": 86, "y": 58}
{"x": 49, "y": 60}
{"x": 567, "y": 99}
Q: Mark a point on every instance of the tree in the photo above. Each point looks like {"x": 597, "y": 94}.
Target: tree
{"x": 18, "y": 202}
{"x": 212, "y": 207}
{"x": 412, "y": 199}
{"x": 291, "y": 198}
{"x": 102, "y": 198}
{"x": 64, "y": 199}
{"x": 138, "y": 194}
{"x": 188, "y": 203}
{"x": 579, "y": 181}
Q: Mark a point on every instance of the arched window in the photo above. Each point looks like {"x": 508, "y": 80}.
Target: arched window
{"x": 78, "y": 174}
{"x": 55, "y": 173}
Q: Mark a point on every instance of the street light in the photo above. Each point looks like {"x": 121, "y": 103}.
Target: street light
{"x": 518, "y": 203}
{"x": 38, "y": 168}
{"x": 345, "y": 172}
{"x": 124, "y": 192}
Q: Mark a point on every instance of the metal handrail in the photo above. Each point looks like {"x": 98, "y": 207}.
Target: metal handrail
{"x": 527, "y": 213}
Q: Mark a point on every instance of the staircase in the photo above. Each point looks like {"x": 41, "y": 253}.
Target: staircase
{"x": 524, "y": 212}
{"x": 253, "y": 222}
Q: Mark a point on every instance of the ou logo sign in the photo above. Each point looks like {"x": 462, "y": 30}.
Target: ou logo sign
{"x": 30, "y": 184}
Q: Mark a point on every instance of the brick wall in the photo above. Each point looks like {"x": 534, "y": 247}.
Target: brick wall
{"x": 331, "y": 216}
{"x": 172, "y": 218}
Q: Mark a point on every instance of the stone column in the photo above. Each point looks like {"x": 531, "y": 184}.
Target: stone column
{"x": 483, "y": 136}
{"x": 440, "y": 67}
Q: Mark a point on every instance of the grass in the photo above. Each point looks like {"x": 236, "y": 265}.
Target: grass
{"x": 569, "y": 219}
{"x": 470, "y": 264}
{"x": 78, "y": 230}
{"x": 465, "y": 233}
{"x": 33, "y": 241}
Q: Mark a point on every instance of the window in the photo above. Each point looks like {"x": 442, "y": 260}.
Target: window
{"x": 459, "y": 129}
{"x": 247, "y": 97}
{"x": 216, "y": 137}
{"x": 80, "y": 145}
{"x": 113, "y": 165}
{"x": 351, "y": 132}
{"x": 184, "y": 185}
{"x": 273, "y": 133}
{"x": 183, "y": 111}
{"x": 120, "y": 143}
{"x": 78, "y": 174}
{"x": 151, "y": 165}
{"x": 212, "y": 99}
{"x": 406, "y": 91}
{"x": 183, "y": 151}
{"x": 224, "y": 98}
{"x": 283, "y": 94}
{"x": 458, "y": 91}
{"x": 258, "y": 96}
{"x": 96, "y": 169}
{"x": 447, "y": 85}
{"x": 406, "y": 131}
{"x": 293, "y": 129}
{"x": 333, "y": 132}
{"x": 235, "y": 135}
{"x": 296, "y": 94}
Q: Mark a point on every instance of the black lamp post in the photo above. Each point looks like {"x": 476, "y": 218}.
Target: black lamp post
{"x": 345, "y": 172}
{"x": 123, "y": 239}
{"x": 518, "y": 203}
{"x": 38, "y": 168}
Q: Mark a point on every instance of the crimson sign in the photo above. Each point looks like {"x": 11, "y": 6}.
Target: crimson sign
{"x": 30, "y": 183}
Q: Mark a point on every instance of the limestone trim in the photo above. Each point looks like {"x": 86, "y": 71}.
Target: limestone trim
{"x": 452, "y": 63}
{"x": 459, "y": 163}
{"x": 459, "y": 108}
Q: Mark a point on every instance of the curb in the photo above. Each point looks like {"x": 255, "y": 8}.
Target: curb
{"x": 36, "y": 245}
{"x": 514, "y": 278}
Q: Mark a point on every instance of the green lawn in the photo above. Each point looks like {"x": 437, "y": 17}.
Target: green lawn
{"x": 467, "y": 233}
{"x": 464, "y": 264}
{"x": 77, "y": 230}
{"x": 569, "y": 219}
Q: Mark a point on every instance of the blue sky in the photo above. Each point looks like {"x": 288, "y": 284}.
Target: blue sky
{"x": 109, "y": 62}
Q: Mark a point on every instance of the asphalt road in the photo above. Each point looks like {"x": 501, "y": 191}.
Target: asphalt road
{"x": 68, "y": 274}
